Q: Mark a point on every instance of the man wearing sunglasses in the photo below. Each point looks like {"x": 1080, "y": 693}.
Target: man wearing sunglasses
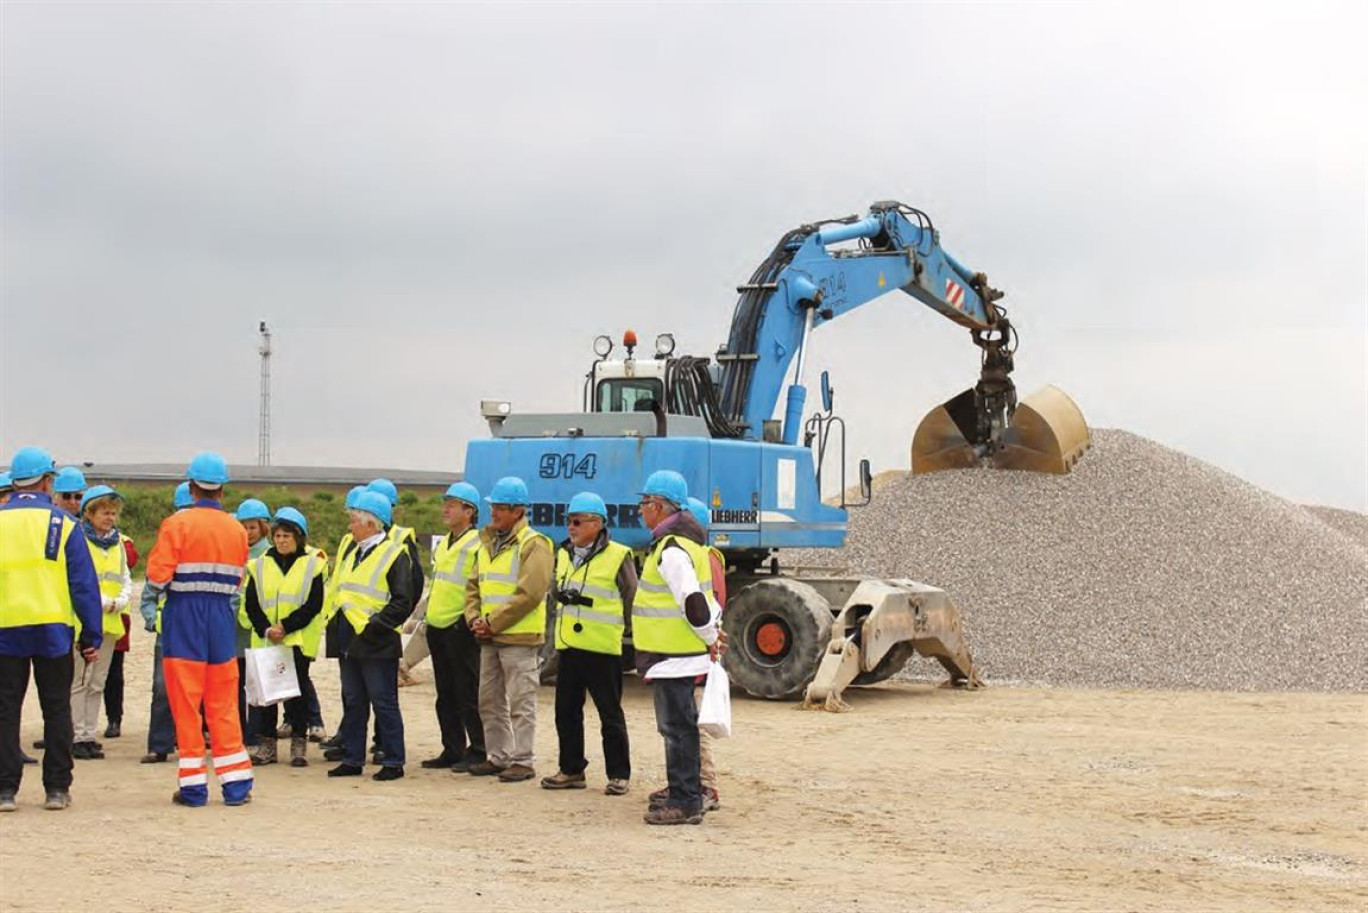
{"x": 67, "y": 489}
{"x": 596, "y": 581}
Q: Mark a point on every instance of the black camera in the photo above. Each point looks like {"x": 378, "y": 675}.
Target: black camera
{"x": 573, "y": 597}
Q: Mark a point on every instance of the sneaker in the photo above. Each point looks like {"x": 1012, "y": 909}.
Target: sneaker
{"x": 484, "y": 769}
{"x": 388, "y": 773}
{"x": 560, "y": 780}
{"x": 8, "y": 802}
{"x": 711, "y": 800}
{"x": 516, "y": 773}
{"x": 345, "y": 770}
{"x": 672, "y": 814}
{"x": 617, "y": 788}
{"x": 317, "y": 734}
{"x": 113, "y": 730}
{"x": 154, "y": 757}
{"x": 57, "y": 799}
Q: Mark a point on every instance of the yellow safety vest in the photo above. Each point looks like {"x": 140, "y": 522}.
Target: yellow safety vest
{"x": 658, "y": 622}
{"x": 362, "y": 588}
{"x": 33, "y": 568}
{"x": 281, "y": 595}
{"x": 111, "y": 564}
{"x": 499, "y": 581}
{"x": 597, "y": 628}
{"x": 312, "y": 635}
{"x": 330, "y": 592}
{"x": 402, "y": 534}
{"x": 453, "y": 564}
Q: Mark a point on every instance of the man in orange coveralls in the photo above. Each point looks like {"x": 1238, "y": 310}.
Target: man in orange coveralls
{"x": 198, "y": 560}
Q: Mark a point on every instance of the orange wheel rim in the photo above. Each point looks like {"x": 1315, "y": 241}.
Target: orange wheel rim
{"x": 771, "y": 639}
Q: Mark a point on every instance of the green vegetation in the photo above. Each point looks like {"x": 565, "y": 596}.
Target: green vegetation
{"x": 145, "y": 508}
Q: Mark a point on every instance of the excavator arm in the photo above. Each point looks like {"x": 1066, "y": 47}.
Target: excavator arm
{"x": 814, "y": 276}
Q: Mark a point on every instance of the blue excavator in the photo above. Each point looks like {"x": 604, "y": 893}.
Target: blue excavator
{"x": 713, "y": 419}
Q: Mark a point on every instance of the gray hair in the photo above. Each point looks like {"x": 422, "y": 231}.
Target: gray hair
{"x": 366, "y": 516}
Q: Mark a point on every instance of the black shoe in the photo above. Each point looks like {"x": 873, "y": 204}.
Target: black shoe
{"x": 113, "y": 730}
{"x": 26, "y": 758}
{"x": 333, "y": 742}
{"x": 93, "y": 751}
{"x": 154, "y": 757}
{"x": 334, "y": 754}
{"x": 388, "y": 773}
{"x": 441, "y": 762}
{"x": 377, "y": 756}
{"x": 484, "y": 769}
{"x": 345, "y": 770}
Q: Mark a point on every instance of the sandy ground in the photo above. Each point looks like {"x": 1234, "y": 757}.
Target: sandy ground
{"x": 1003, "y": 799}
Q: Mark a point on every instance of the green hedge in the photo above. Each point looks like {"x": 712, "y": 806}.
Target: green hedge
{"x": 145, "y": 508}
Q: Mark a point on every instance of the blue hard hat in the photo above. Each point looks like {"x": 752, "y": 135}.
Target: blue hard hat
{"x": 252, "y": 509}
{"x": 464, "y": 491}
{"x": 208, "y": 470}
{"x": 699, "y": 511}
{"x": 70, "y": 480}
{"x": 372, "y": 502}
{"x": 667, "y": 484}
{"x": 509, "y": 490}
{"x": 30, "y": 463}
{"x": 6, "y": 483}
{"x": 586, "y": 502}
{"x": 182, "y": 498}
{"x": 386, "y": 488}
{"x": 353, "y": 495}
{"x": 290, "y": 515}
{"x": 97, "y": 492}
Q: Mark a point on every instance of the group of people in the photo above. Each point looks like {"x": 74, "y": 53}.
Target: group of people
{"x": 219, "y": 584}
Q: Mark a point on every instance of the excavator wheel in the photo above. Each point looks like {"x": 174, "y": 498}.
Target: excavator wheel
{"x": 778, "y": 630}
{"x": 1047, "y": 434}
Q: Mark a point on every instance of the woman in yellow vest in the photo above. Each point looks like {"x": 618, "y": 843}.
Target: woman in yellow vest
{"x": 283, "y": 599}
{"x": 100, "y": 521}
{"x": 596, "y": 581}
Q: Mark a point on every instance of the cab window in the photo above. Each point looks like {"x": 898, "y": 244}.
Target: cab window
{"x": 629, "y": 394}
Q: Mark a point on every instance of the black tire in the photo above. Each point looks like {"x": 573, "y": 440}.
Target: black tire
{"x": 778, "y": 630}
{"x": 889, "y": 666}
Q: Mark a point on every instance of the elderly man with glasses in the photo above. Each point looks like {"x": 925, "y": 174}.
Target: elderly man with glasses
{"x": 506, "y": 610}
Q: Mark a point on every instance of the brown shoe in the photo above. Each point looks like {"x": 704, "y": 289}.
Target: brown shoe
{"x": 672, "y": 814}
{"x": 263, "y": 752}
{"x": 299, "y": 751}
{"x": 516, "y": 773}
{"x": 485, "y": 769}
{"x": 564, "y": 781}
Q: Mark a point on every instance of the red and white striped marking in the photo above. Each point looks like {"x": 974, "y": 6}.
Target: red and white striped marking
{"x": 954, "y": 293}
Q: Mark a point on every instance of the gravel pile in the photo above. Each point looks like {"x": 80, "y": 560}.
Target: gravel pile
{"x": 1144, "y": 568}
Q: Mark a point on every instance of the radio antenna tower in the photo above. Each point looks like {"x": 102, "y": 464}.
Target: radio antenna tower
{"x": 264, "y": 433}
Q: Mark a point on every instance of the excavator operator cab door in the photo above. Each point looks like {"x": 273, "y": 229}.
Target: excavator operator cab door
{"x": 628, "y": 385}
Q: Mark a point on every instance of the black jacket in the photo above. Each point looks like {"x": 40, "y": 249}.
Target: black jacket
{"x": 380, "y": 639}
{"x": 296, "y": 620}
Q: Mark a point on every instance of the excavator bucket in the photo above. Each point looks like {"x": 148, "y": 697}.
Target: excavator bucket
{"x": 1047, "y": 434}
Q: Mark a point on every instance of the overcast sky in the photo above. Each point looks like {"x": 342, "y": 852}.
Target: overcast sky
{"x": 433, "y": 204}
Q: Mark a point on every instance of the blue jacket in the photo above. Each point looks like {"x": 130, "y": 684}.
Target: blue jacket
{"x": 52, "y": 640}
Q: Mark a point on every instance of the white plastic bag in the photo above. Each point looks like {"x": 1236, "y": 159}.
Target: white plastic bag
{"x": 714, "y": 713}
{"x": 270, "y": 675}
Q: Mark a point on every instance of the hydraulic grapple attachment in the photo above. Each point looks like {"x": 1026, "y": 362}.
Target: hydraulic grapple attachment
{"x": 883, "y": 623}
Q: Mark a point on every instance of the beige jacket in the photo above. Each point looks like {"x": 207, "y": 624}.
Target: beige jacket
{"x": 535, "y": 576}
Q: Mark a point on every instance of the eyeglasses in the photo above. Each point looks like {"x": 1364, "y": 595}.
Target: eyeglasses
{"x": 68, "y": 495}
{"x": 583, "y": 521}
